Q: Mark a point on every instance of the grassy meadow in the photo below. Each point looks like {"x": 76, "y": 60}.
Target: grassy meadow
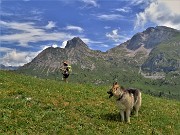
{"x": 30, "y": 105}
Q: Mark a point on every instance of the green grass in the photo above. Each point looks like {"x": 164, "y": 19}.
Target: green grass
{"x": 37, "y": 106}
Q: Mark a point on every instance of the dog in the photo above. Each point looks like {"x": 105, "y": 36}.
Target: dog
{"x": 128, "y": 100}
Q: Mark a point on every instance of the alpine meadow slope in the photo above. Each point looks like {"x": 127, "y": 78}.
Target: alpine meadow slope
{"x": 40, "y": 106}
{"x": 150, "y": 59}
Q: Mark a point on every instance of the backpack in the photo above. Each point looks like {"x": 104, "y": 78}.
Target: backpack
{"x": 69, "y": 69}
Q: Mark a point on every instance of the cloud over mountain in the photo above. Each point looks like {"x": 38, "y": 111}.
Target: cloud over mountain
{"x": 160, "y": 12}
{"x": 113, "y": 35}
{"x": 17, "y": 58}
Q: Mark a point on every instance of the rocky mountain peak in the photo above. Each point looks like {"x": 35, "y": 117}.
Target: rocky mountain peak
{"x": 151, "y": 37}
{"x": 75, "y": 42}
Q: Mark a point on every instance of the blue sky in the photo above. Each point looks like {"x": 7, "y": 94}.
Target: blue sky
{"x": 29, "y": 26}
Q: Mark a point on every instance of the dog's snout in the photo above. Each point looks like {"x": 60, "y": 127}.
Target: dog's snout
{"x": 110, "y": 93}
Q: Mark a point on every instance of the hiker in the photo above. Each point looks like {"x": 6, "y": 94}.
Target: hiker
{"x": 66, "y": 71}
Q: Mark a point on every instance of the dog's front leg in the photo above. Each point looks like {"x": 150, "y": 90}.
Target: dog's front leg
{"x": 122, "y": 115}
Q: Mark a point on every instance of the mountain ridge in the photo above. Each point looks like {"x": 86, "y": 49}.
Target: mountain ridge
{"x": 3, "y": 67}
{"x": 128, "y": 56}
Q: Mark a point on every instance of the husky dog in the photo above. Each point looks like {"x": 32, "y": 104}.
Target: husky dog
{"x": 126, "y": 99}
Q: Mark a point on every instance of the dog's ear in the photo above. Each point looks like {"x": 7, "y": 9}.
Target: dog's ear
{"x": 115, "y": 83}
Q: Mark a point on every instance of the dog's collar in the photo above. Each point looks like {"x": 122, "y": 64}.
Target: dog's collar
{"x": 120, "y": 97}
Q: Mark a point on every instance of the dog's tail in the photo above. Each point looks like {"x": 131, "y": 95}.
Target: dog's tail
{"x": 138, "y": 98}
{"x": 136, "y": 94}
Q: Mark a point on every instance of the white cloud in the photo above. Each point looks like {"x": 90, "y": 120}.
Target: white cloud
{"x": 50, "y": 25}
{"x": 91, "y": 2}
{"x": 113, "y": 35}
{"x": 4, "y": 49}
{"x": 76, "y": 28}
{"x": 63, "y": 44}
{"x": 125, "y": 9}
{"x": 137, "y": 2}
{"x": 55, "y": 45}
{"x": 110, "y": 17}
{"x": 140, "y": 2}
{"x": 30, "y": 33}
{"x": 89, "y": 41}
{"x": 15, "y": 58}
{"x": 160, "y": 12}
{"x": 47, "y": 46}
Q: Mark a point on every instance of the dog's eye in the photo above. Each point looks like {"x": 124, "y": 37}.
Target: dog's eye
{"x": 114, "y": 89}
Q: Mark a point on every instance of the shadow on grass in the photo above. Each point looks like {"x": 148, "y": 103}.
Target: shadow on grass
{"x": 111, "y": 117}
